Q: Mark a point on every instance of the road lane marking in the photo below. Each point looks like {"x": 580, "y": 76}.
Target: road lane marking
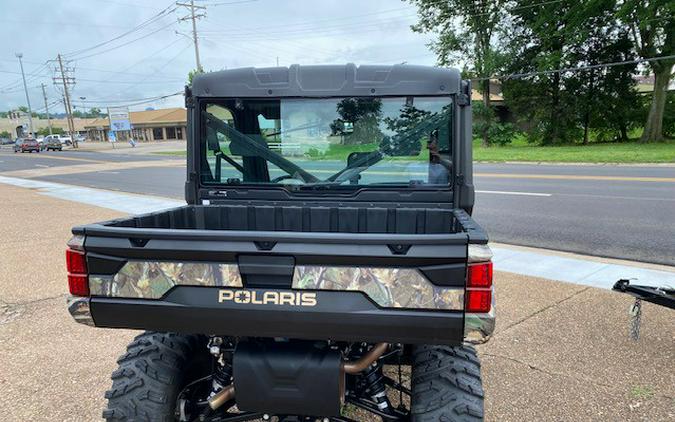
{"x": 577, "y": 177}
{"x": 501, "y": 192}
{"x": 68, "y": 158}
{"x": 41, "y": 165}
{"x": 625, "y": 198}
{"x": 90, "y": 168}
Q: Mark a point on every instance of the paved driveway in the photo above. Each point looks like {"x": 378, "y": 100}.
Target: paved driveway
{"x": 561, "y": 352}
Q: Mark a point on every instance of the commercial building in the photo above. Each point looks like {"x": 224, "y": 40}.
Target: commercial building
{"x": 17, "y": 125}
{"x": 149, "y": 125}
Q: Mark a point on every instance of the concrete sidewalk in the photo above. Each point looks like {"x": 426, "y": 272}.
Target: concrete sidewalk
{"x": 125, "y": 147}
{"x": 561, "y": 351}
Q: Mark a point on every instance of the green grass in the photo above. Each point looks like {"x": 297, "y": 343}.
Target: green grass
{"x": 341, "y": 152}
{"x": 520, "y": 150}
{"x": 641, "y": 392}
{"x": 181, "y": 153}
{"x": 633, "y": 152}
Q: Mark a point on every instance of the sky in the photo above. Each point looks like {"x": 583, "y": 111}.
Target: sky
{"x": 151, "y": 51}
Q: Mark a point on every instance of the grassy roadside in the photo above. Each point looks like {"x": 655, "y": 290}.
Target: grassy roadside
{"x": 520, "y": 150}
{"x": 182, "y": 153}
{"x": 634, "y": 152}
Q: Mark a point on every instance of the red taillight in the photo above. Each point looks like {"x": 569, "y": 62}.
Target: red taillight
{"x": 78, "y": 280}
{"x": 479, "y": 275}
{"x": 479, "y": 287}
{"x": 479, "y": 301}
{"x": 78, "y": 285}
{"x": 76, "y": 263}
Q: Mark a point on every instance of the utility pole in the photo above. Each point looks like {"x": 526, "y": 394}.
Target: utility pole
{"x": 49, "y": 120}
{"x": 25, "y": 88}
{"x": 194, "y": 18}
{"x": 66, "y": 96}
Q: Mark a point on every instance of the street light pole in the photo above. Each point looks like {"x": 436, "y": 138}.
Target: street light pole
{"x": 25, "y": 88}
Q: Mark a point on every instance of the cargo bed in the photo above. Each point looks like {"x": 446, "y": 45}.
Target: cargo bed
{"x": 329, "y": 219}
{"x": 266, "y": 246}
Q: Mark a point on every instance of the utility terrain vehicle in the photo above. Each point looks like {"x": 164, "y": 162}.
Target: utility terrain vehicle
{"x": 325, "y": 267}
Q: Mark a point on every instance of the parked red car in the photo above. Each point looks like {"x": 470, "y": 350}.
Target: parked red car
{"x": 24, "y": 145}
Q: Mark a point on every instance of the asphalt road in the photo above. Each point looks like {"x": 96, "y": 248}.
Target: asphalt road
{"x": 625, "y": 212}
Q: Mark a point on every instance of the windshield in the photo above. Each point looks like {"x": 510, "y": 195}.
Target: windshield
{"x": 327, "y": 142}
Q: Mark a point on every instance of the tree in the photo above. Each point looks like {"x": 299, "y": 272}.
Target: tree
{"x": 606, "y": 96}
{"x": 466, "y": 31}
{"x": 95, "y": 112}
{"x": 541, "y": 40}
{"x": 192, "y": 74}
{"x": 562, "y": 106}
{"x": 363, "y": 114}
{"x": 410, "y": 117}
{"x": 44, "y": 131}
{"x": 5, "y": 134}
{"x": 652, "y": 29}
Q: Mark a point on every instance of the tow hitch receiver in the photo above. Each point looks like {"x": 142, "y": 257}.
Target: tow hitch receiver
{"x": 288, "y": 378}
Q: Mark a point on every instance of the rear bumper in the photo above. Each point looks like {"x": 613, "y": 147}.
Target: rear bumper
{"x": 341, "y": 316}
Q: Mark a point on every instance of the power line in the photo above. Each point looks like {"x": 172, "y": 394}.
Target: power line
{"x": 164, "y": 65}
{"x": 576, "y": 69}
{"x": 305, "y": 28}
{"x": 124, "y": 71}
{"x": 49, "y": 120}
{"x": 53, "y": 103}
{"x": 513, "y": 9}
{"x": 194, "y": 18}
{"x": 135, "y": 4}
{"x": 138, "y": 27}
{"x": 129, "y": 103}
{"x": 61, "y": 23}
{"x": 125, "y": 44}
{"x": 231, "y": 2}
{"x": 66, "y": 80}
{"x": 313, "y": 22}
{"x": 32, "y": 76}
{"x": 109, "y": 100}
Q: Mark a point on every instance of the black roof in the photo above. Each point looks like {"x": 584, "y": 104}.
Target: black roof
{"x": 328, "y": 81}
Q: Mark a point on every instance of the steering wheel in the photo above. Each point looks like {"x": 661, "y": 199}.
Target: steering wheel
{"x": 282, "y": 177}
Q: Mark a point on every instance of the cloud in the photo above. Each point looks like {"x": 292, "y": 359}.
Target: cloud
{"x": 252, "y": 33}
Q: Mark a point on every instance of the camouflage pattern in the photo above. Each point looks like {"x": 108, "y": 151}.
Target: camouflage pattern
{"x": 152, "y": 279}
{"x": 388, "y": 287}
{"x": 79, "y": 310}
